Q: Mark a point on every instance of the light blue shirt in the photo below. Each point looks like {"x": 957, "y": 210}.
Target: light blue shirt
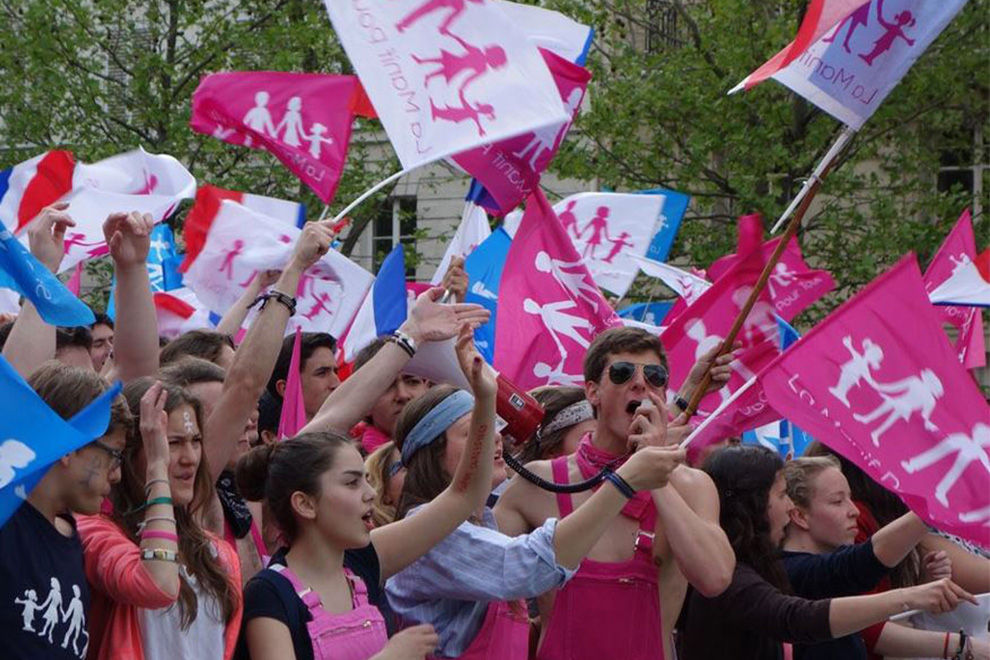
{"x": 452, "y": 585}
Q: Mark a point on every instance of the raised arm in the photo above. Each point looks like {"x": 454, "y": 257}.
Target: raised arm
{"x": 32, "y": 341}
{"x": 894, "y": 541}
{"x": 135, "y": 348}
{"x": 400, "y": 543}
{"x": 455, "y": 280}
{"x": 255, "y": 357}
{"x": 232, "y": 321}
{"x": 428, "y": 321}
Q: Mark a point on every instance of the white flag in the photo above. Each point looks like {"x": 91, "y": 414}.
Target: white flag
{"x": 446, "y": 77}
{"x": 471, "y": 232}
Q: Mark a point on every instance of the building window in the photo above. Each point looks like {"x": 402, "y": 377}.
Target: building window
{"x": 396, "y": 223}
{"x": 661, "y": 16}
{"x": 964, "y": 165}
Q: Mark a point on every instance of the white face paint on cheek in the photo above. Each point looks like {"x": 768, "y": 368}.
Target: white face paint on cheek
{"x": 187, "y": 422}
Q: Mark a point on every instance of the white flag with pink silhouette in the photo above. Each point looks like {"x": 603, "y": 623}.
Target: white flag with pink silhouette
{"x": 850, "y": 70}
{"x": 445, "y": 76}
{"x": 609, "y": 231}
{"x": 241, "y": 242}
{"x": 131, "y": 181}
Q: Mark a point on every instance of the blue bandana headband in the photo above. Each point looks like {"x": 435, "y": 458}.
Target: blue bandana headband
{"x": 435, "y": 422}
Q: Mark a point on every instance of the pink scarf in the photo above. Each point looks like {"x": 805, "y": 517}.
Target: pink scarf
{"x": 590, "y": 460}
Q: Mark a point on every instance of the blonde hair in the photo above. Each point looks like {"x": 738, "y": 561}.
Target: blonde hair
{"x": 800, "y": 474}
{"x": 378, "y": 465}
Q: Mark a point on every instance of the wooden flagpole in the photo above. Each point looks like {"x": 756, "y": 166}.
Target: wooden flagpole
{"x": 799, "y": 206}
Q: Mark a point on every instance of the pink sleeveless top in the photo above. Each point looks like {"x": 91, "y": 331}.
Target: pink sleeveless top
{"x": 355, "y": 635}
{"x": 608, "y": 609}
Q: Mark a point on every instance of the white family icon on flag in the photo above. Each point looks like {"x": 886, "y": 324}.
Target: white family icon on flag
{"x": 545, "y": 139}
{"x": 900, "y": 399}
{"x": 571, "y": 275}
{"x": 13, "y": 454}
{"x": 967, "y": 450}
{"x": 291, "y": 128}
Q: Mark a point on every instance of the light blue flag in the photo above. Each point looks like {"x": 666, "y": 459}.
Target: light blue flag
{"x": 652, "y": 313}
{"x": 674, "y": 206}
{"x": 35, "y": 436}
{"x": 484, "y": 269}
{"x": 20, "y": 271}
{"x": 782, "y": 436}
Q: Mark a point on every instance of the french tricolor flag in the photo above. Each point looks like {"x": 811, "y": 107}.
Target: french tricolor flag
{"x": 385, "y": 306}
{"x": 207, "y": 206}
{"x": 179, "y": 311}
{"x": 30, "y": 186}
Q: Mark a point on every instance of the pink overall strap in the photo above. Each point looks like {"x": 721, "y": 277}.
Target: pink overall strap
{"x": 307, "y": 595}
{"x": 558, "y": 467}
{"x": 228, "y": 535}
{"x": 259, "y": 542}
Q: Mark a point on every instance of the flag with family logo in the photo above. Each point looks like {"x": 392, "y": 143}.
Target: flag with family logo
{"x": 240, "y": 242}
{"x": 704, "y": 325}
{"x": 35, "y": 436}
{"x": 446, "y": 77}
{"x": 609, "y": 232}
{"x": 878, "y": 382}
{"x": 511, "y": 168}
{"x": 132, "y": 181}
{"x": 792, "y": 284}
{"x": 674, "y": 207}
{"x": 688, "y": 285}
{"x": 304, "y": 119}
{"x": 549, "y": 306}
{"x": 851, "y": 55}
{"x": 958, "y": 248}
{"x": 21, "y": 272}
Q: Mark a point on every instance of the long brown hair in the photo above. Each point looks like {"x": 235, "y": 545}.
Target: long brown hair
{"x": 196, "y": 551}
{"x": 425, "y": 476}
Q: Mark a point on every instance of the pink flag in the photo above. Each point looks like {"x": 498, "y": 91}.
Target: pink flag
{"x": 549, "y": 308}
{"x": 706, "y": 323}
{"x": 304, "y": 119}
{"x": 510, "y": 169}
{"x": 74, "y": 283}
{"x": 793, "y": 286}
{"x": 958, "y": 247}
{"x": 878, "y": 382}
{"x": 293, "y": 407}
{"x": 446, "y": 77}
{"x": 747, "y": 408}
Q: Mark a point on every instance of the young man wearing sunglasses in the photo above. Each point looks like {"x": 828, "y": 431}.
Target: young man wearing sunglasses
{"x": 663, "y": 540}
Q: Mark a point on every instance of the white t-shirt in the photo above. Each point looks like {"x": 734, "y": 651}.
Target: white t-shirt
{"x": 162, "y": 635}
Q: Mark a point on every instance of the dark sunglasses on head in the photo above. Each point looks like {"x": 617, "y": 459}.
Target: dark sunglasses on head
{"x": 622, "y": 372}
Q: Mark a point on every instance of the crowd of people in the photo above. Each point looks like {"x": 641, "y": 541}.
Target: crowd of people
{"x": 390, "y": 526}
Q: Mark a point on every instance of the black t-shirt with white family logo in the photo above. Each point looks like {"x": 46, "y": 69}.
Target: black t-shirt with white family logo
{"x": 44, "y": 597}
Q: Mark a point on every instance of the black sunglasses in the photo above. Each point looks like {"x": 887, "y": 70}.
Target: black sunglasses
{"x": 116, "y": 456}
{"x": 621, "y": 372}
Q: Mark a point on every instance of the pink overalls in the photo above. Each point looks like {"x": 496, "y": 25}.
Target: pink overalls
{"x": 504, "y": 635}
{"x": 355, "y": 635}
{"x": 608, "y": 609}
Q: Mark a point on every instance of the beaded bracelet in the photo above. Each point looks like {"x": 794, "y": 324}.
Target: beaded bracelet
{"x": 621, "y": 484}
{"x": 159, "y": 554}
{"x": 159, "y": 534}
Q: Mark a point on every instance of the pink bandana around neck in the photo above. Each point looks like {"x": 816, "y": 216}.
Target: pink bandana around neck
{"x": 591, "y": 459}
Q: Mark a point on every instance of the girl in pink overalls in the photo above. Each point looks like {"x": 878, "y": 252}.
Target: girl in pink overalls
{"x": 307, "y": 605}
{"x": 470, "y": 585}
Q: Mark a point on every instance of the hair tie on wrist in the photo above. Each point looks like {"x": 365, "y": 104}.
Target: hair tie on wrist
{"x": 621, "y": 484}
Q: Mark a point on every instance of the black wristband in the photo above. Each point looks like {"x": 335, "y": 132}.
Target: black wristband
{"x": 403, "y": 341}
{"x": 284, "y": 298}
{"x": 681, "y": 402}
{"x": 620, "y": 484}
